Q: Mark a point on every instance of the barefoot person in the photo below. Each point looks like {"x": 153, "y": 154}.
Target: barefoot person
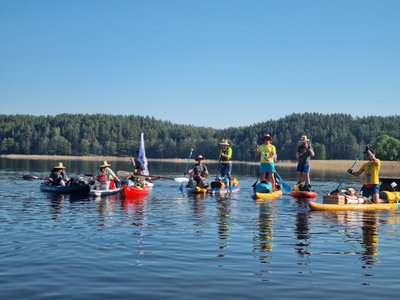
{"x": 371, "y": 175}
{"x": 304, "y": 152}
{"x": 267, "y": 152}
{"x": 225, "y": 156}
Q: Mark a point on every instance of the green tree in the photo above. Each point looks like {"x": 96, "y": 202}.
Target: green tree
{"x": 387, "y": 147}
{"x": 320, "y": 151}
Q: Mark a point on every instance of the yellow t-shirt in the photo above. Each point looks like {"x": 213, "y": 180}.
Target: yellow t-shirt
{"x": 269, "y": 151}
{"x": 371, "y": 171}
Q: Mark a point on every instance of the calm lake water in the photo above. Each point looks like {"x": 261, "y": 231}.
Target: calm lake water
{"x": 172, "y": 245}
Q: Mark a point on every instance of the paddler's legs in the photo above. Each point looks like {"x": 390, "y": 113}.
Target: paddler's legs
{"x": 307, "y": 178}
{"x": 263, "y": 171}
{"x": 262, "y": 177}
{"x": 271, "y": 177}
{"x": 271, "y": 174}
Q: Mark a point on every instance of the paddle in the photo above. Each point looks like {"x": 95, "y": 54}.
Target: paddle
{"x": 360, "y": 155}
{"x": 154, "y": 177}
{"x": 34, "y": 177}
{"x": 187, "y": 167}
{"x": 285, "y": 185}
{"x": 31, "y": 177}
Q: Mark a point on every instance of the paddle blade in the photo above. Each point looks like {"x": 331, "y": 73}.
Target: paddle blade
{"x": 181, "y": 179}
{"x": 123, "y": 173}
{"x": 286, "y": 187}
{"x": 181, "y": 187}
{"x": 30, "y": 177}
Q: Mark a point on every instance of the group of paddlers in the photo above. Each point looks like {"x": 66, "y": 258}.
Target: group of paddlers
{"x": 268, "y": 156}
{"x": 198, "y": 173}
{"x": 104, "y": 175}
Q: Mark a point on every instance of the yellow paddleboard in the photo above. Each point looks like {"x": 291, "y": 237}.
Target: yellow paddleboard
{"x": 271, "y": 195}
{"x": 341, "y": 207}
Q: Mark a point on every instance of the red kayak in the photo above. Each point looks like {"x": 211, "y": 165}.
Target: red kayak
{"x": 303, "y": 194}
{"x": 132, "y": 191}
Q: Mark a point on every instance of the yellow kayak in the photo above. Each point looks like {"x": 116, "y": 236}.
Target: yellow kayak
{"x": 197, "y": 190}
{"x": 362, "y": 206}
{"x": 271, "y": 195}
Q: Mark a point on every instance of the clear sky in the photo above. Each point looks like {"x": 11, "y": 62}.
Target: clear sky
{"x": 217, "y": 63}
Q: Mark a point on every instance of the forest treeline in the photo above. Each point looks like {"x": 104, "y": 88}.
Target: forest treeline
{"x": 334, "y": 136}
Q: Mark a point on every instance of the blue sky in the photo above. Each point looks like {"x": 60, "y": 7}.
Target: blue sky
{"x": 217, "y": 63}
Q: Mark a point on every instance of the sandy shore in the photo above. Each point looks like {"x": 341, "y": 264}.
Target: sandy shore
{"x": 391, "y": 167}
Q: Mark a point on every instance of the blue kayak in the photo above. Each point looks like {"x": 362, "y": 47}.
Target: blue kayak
{"x": 73, "y": 188}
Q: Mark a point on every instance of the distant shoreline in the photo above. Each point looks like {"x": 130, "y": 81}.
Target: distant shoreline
{"x": 392, "y": 167}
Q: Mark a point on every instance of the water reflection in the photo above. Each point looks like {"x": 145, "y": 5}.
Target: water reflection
{"x": 224, "y": 227}
{"x": 106, "y": 208}
{"x": 134, "y": 208}
{"x": 265, "y": 230}
{"x": 360, "y": 227}
{"x": 56, "y": 203}
{"x": 370, "y": 237}
{"x": 302, "y": 227}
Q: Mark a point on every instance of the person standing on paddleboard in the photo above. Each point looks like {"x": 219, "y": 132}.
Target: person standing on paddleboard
{"x": 304, "y": 152}
{"x": 371, "y": 175}
{"x": 267, "y": 153}
{"x": 225, "y": 165}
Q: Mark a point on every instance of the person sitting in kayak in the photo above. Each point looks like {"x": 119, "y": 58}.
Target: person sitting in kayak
{"x": 371, "y": 175}
{"x": 58, "y": 176}
{"x": 105, "y": 174}
{"x": 225, "y": 165}
{"x": 137, "y": 164}
{"x": 198, "y": 173}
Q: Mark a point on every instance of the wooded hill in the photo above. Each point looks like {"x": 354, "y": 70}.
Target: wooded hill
{"x": 334, "y": 136}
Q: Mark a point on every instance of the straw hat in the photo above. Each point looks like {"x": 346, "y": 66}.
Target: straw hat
{"x": 199, "y": 157}
{"x": 105, "y": 164}
{"x": 224, "y": 142}
{"x": 304, "y": 139}
{"x": 60, "y": 166}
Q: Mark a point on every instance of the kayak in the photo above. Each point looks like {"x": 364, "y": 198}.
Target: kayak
{"x": 303, "y": 194}
{"x": 73, "y": 188}
{"x": 221, "y": 191}
{"x": 389, "y": 196}
{"x": 221, "y": 187}
{"x": 197, "y": 190}
{"x": 132, "y": 191}
{"x": 270, "y": 195}
{"x": 362, "y": 206}
{"x": 103, "y": 189}
{"x": 101, "y": 193}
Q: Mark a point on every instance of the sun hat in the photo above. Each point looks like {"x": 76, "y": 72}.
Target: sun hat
{"x": 224, "y": 142}
{"x": 105, "y": 164}
{"x": 60, "y": 166}
{"x": 267, "y": 137}
{"x": 199, "y": 157}
{"x": 350, "y": 191}
{"x": 304, "y": 138}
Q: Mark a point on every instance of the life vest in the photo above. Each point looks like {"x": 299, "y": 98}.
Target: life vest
{"x": 224, "y": 151}
{"x": 102, "y": 177}
{"x": 234, "y": 181}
